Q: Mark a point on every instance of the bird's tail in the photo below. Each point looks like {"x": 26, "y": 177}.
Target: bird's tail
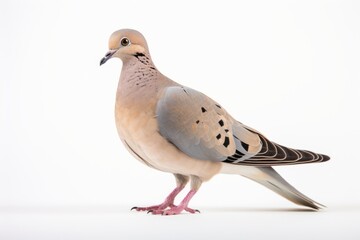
{"x": 269, "y": 178}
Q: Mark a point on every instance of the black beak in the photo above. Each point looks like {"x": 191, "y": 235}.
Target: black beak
{"x": 107, "y": 56}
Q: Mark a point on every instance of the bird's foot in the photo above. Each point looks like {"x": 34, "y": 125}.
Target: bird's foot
{"x": 178, "y": 209}
{"x": 155, "y": 208}
{"x": 162, "y": 209}
{"x": 183, "y": 206}
{"x": 168, "y": 207}
{"x": 169, "y": 202}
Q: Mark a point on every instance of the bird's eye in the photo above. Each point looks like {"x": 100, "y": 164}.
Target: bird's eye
{"x": 124, "y": 41}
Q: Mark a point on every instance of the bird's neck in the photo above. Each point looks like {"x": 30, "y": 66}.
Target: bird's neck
{"x": 138, "y": 71}
{"x": 139, "y": 79}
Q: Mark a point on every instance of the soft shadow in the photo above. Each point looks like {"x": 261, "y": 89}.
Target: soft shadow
{"x": 252, "y": 209}
{"x": 121, "y": 209}
{"x": 118, "y": 209}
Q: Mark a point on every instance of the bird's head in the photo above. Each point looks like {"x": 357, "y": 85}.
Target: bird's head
{"x": 125, "y": 43}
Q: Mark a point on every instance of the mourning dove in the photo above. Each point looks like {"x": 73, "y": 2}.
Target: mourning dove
{"x": 176, "y": 129}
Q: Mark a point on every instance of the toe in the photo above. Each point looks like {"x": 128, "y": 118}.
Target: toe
{"x": 190, "y": 210}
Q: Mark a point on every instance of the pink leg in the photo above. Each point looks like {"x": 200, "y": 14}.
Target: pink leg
{"x": 169, "y": 202}
{"x": 174, "y": 210}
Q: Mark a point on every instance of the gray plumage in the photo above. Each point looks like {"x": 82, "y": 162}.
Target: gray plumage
{"x": 204, "y": 130}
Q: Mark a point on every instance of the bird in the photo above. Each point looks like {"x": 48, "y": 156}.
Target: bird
{"x": 176, "y": 129}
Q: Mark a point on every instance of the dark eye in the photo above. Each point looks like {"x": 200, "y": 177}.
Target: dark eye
{"x": 124, "y": 41}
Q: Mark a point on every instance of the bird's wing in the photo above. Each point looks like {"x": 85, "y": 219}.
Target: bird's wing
{"x": 201, "y": 128}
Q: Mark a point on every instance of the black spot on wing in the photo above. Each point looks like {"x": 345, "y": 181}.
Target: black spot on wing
{"x": 197, "y": 121}
{"x": 228, "y": 161}
{"x": 218, "y": 106}
{"x": 218, "y": 136}
{"x": 221, "y": 123}
{"x": 203, "y": 109}
{"x": 226, "y": 142}
{"x": 245, "y": 146}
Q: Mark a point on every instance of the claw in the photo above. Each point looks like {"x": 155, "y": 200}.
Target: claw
{"x": 165, "y": 213}
{"x": 196, "y": 210}
{"x": 150, "y": 211}
{"x": 133, "y": 208}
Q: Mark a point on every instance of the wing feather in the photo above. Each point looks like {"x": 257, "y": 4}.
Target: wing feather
{"x": 202, "y": 129}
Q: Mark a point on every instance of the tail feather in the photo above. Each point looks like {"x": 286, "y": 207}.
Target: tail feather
{"x": 269, "y": 178}
{"x": 279, "y": 185}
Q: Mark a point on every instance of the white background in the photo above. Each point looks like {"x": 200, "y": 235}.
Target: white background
{"x": 290, "y": 69}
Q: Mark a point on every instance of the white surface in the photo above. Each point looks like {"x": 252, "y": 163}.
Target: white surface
{"x": 115, "y": 222}
{"x": 289, "y": 69}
